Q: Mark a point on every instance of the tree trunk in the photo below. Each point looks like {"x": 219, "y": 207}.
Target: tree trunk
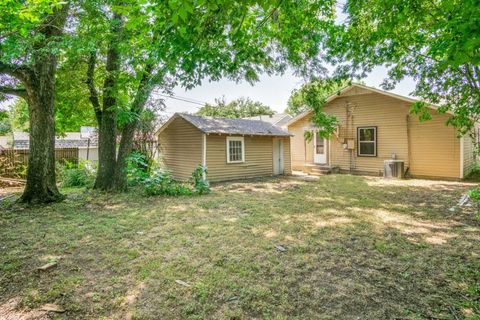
{"x": 41, "y": 183}
{"x": 107, "y": 147}
{"x": 128, "y": 132}
{"x": 124, "y": 150}
{"x": 39, "y": 82}
{"x": 107, "y": 138}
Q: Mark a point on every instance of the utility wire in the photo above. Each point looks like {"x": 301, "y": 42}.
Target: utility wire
{"x": 197, "y": 102}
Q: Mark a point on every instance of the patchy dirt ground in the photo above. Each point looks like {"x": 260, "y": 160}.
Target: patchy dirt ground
{"x": 336, "y": 247}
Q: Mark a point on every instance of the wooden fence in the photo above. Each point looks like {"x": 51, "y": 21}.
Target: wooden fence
{"x": 13, "y": 162}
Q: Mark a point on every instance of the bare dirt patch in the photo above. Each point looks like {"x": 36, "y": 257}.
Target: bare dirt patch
{"x": 335, "y": 247}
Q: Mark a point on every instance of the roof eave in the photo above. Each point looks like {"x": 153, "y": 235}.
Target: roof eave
{"x": 343, "y": 90}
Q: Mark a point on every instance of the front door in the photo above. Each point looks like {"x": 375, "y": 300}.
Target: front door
{"x": 277, "y": 156}
{"x": 319, "y": 149}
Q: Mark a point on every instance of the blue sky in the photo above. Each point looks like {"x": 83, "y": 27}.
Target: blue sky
{"x": 273, "y": 91}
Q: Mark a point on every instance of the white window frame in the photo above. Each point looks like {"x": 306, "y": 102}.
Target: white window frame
{"x": 228, "y": 149}
{"x": 360, "y": 141}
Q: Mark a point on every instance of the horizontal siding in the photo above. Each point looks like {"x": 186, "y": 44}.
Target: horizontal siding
{"x": 258, "y": 158}
{"x": 435, "y": 148}
{"x": 428, "y": 148}
{"x": 301, "y": 150}
{"x": 389, "y": 115}
{"x": 180, "y": 148}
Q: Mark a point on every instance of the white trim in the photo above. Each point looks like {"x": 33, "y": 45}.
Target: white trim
{"x": 321, "y": 156}
{"x": 228, "y": 148}
{"x": 461, "y": 157}
{"x": 374, "y": 141}
{"x": 279, "y": 164}
{"x": 328, "y": 152}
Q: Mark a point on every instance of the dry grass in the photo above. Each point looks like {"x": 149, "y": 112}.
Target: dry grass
{"x": 340, "y": 247}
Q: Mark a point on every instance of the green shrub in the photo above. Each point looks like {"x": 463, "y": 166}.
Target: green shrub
{"x": 161, "y": 182}
{"x": 81, "y": 175}
{"x": 138, "y": 168}
{"x": 473, "y": 174}
{"x": 474, "y": 195}
{"x": 200, "y": 182}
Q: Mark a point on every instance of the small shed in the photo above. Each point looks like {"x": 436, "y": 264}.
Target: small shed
{"x": 229, "y": 148}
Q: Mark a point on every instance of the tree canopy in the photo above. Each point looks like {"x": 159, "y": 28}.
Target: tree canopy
{"x": 131, "y": 49}
{"x": 5, "y": 125}
{"x": 311, "y": 93}
{"x": 434, "y": 42}
{"x": 238, "y": 108}
{"x": 31, "y": 40}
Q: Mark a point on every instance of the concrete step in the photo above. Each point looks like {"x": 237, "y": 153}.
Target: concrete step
{"x": 322, "y": 170}
{"x": 319, "y": 173}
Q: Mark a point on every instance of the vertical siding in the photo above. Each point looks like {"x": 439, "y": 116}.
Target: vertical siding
{"x": 287, "y": 156}
{"x": 435, "y": 148}
{"x": 180, "y": 148}
{"x": 429, "y": 149}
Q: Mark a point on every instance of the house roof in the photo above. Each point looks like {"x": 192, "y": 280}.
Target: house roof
{"x": 353, "y": 85}
{"x": 278, "y": 119}
{"x": 21, "y": 140}
{"x": 229, "y": 126}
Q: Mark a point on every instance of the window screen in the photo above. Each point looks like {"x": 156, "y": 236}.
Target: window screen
{"x": 235, "y": 150}
{"x": 367, "y": 141}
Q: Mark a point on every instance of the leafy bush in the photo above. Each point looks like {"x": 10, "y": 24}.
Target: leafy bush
{"x": 474, "y": 195}
{"x": 200, "y": 182}
{"x": 161, "y": 182}
{"x": 81, "y": 175}
{"x": 138, "y": 168}
{"x": 474, "y": 174}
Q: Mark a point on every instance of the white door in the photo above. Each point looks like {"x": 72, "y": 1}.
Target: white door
{"x": 319, "y": 149}
{"x": 277, "y": 156}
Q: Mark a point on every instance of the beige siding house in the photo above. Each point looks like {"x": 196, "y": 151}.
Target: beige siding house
{"x": 374, "y": 126}
{"x": 229, "y": 148}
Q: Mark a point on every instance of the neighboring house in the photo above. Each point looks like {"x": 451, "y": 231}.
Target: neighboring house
{"x": 86, "y": 141}
{"x": 277, "y": 119}
{"x": 376, "y": 125}
{"x": 229, "y": 148}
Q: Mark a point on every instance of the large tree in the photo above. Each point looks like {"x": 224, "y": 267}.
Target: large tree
{"x": 159, "y": 44}
{"x": 437, "y": 43}
{"x": 30, "y": 34}
{"x": 238, "y": 108}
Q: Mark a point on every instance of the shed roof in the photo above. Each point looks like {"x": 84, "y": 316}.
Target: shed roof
{"x": 229, "y": 126}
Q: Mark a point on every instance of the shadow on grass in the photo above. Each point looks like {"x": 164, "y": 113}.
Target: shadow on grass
{"x": 351, "y": 247}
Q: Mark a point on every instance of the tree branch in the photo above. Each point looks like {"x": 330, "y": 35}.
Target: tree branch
{"x": 91, "y": 85}
{"x": 19, "y": 92}
{"x": 19, "y": 72}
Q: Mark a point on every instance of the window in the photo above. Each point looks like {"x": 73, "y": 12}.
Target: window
{"x": 367, "y": 141}
{"x": 319, "y": 144}
{"x": 235, "y": 150}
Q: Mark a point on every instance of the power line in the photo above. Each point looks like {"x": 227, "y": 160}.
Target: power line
{"x": 197, "y": 102}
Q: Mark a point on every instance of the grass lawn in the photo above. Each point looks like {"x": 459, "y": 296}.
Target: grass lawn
{"x": 339, "y": 247}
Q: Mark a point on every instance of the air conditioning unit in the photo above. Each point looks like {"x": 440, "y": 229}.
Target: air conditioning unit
{"x": 394, "y": 169}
